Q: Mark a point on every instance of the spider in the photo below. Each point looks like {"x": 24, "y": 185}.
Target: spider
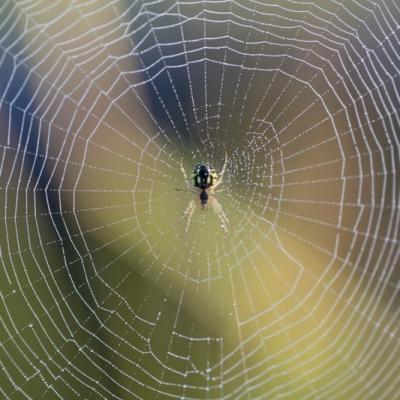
{"x": 204, "y": 182}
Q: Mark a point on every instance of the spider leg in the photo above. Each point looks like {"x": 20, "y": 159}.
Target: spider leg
{"x": 184, "y": 174}
{"x": 218, "y": 191}
{"x": 221, "y": 177}
{"x": 189, "y": 214}
{"x": 186, "y": 190}
{"x": 217, "y": 207}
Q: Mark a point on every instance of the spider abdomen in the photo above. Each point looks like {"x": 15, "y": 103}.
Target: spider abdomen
{"x": 204, "y": 176}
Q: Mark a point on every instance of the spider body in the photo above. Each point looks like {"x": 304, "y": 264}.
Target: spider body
{"x": 203, "y": 199}
{"x": 204, "y": 182}
{"x": 203, "y": 178}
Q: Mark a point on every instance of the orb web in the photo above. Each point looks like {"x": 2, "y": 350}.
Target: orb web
{"x": 103, "y": 295}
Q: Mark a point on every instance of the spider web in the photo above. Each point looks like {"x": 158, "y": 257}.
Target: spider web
{"x": 103, "y": 296}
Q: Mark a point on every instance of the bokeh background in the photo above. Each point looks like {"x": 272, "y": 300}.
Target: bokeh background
{"x": 103, "y": 296}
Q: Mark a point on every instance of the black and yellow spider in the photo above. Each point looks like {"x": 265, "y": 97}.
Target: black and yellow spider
{"x": 204, "y": 182}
